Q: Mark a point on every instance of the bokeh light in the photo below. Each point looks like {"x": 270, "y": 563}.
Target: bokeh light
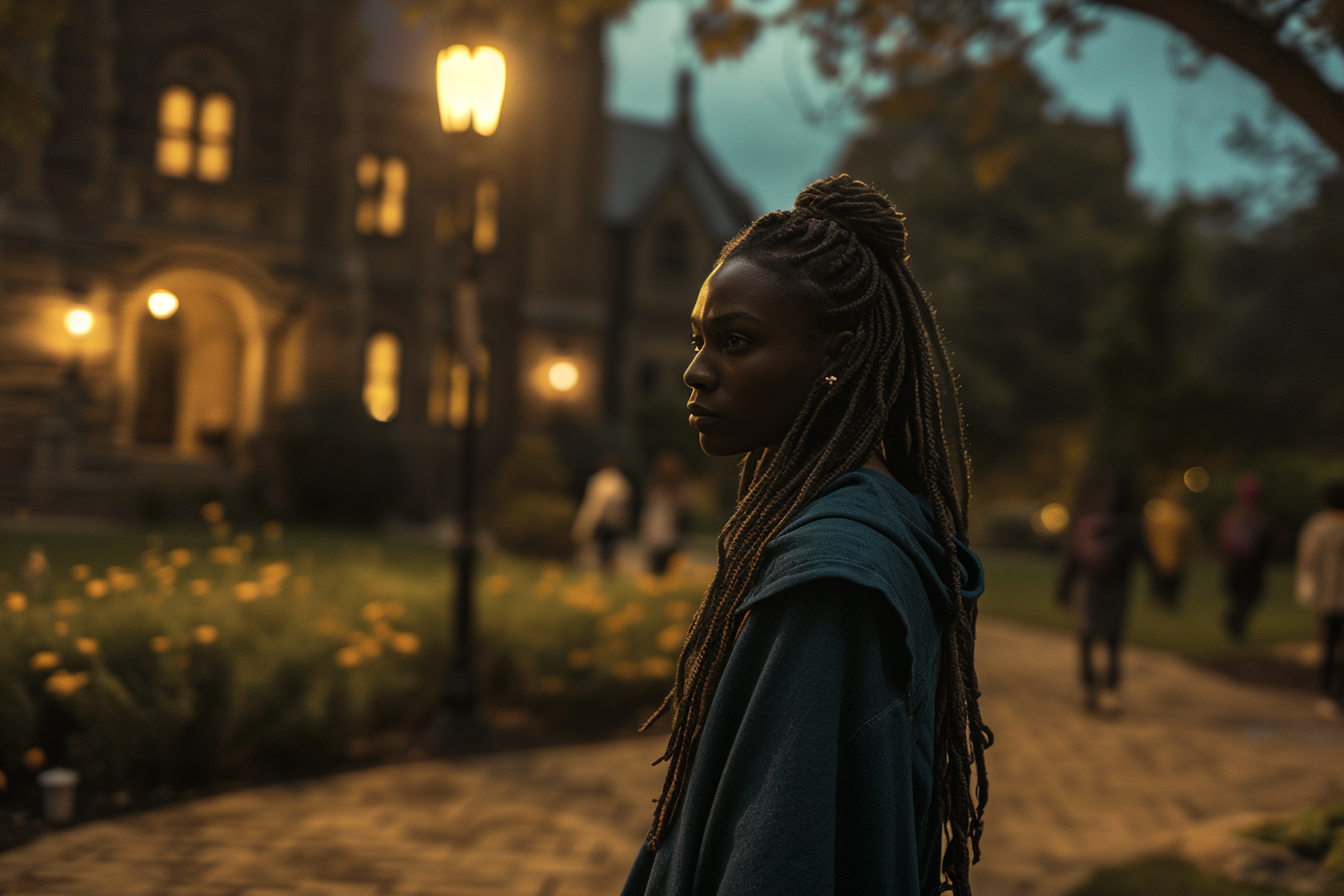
{"x": 563, "y": 376}
{"x": 162, "y": 304}
{"x": 78, "y": 321}
{"x": 1051, "y": 519}
{"x": 1196, "y": 479}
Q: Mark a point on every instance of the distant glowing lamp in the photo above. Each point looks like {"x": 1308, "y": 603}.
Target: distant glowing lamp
{"x": 1196, "y": 479}
{"x": 471, "y": 88}
{"x": 563, "y": 376}
{"x": 1051, "y": 519}
{"x": 78, "y": 321}
{"x": 162, "y": 304}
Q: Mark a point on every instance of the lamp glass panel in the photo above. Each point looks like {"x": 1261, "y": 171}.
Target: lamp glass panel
{"x": 487, "y": 89}
{"x": 455, "y": 83}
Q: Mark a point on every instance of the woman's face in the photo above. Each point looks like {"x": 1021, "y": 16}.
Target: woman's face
{"x": 757, "y": 354}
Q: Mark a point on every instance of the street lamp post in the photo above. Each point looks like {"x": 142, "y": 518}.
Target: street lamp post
{"x": 471, "y": 91}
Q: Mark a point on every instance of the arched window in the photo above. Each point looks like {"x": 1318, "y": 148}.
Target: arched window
{"x": 382, "y": 201}
{"x": 195, "y": 138}
{"x": 382, "y": 375}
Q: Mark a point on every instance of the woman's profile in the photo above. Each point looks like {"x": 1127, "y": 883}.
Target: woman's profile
{"x": 826, "y": 732}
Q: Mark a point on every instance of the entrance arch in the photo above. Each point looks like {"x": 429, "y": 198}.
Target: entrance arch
{"x": 192, "y": 384}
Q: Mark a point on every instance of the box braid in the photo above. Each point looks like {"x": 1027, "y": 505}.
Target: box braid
{"x": 893, "y": 392}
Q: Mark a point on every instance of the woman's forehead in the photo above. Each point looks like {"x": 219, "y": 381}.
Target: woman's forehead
{"x": 741, "y": 290}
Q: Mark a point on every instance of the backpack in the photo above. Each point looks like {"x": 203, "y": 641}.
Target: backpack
{"x": 1099, "y": 544}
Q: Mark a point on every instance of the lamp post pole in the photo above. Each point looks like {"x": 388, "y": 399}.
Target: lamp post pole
{"x": 470, "y": 91}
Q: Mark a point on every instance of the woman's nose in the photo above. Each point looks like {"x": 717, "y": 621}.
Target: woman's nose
{"x": 700, "y": 374}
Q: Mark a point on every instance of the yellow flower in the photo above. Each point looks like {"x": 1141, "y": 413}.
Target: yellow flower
{"x": 16, "y": 602}
{"x": 200, "y": 587}
{"x": 677, "y": 610}
{"x": 543, "y": 589}
{"x": 213, "y": 512}
{"x": 44, "y": 659}
{"x": 496, "y": 584}
{"x": 121, "y": 579}
{"x": 552, "y": 684}
{"x": 580, "y": 658}
{"x": 275, "y": 572}
{"x": 381, "y": 630}
{"x": 372, "y": 611}
{"x": 226, "y": 555}
{"x": 303, "y": 585}
{"x": 247, "y": 591}
{"x": 670, "y": 638}
{"x": 348, "y": 657}
{"x": 34, "y": 758}
{"x": 179, "y": 557}
{"x": 80, "y": 572}
{"x": 151, "y": 560}
{"x": 647, "y": 583}
{"x": 63, "y": 683}
{"x": 205, "y": 634}
{"x": 87, "y": 645}
{"x": 96, "y": 588}
{"x": 624, "y": 670}
{"x": 62, "y": 628}
{"x": 160, "y": 644}
{"x": 406, "y": 642}
{"x": 656, "y": 667}
{"x": 244, "y": 542}
{"x": 272, "y": 531}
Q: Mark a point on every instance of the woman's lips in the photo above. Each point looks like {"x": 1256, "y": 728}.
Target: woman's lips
{"x": 701, "y": 419}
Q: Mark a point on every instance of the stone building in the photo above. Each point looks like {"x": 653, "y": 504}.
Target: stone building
{"x": 310, "y": 228}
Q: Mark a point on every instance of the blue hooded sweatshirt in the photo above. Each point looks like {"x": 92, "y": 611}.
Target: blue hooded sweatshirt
{"x": 814, "y": 770}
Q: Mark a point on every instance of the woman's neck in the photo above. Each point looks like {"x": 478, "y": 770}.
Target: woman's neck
{"x": 875, "y": 464}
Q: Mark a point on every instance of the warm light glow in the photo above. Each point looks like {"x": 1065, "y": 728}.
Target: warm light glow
{"x": 214, "y": 158}
{"x": 382, "y": 372}
{"x": 1051, "y": 519}
{"x": 485, "y": 232}
{"x": 392, "y": 204}
{"x": 1196, "y": 479}
{"x": 562, "y": 376}
{"x": 162, "y": 304}
{"x": 174, "y": 154}
{"x": 471, "y": 88}
{"x": 366, "y": 171}
{"x": 78, "y": 321}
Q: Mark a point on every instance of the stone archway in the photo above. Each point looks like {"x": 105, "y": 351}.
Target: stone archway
{"x": 203, "y": 371}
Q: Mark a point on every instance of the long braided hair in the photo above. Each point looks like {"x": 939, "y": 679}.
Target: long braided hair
{"x": 893, "y": 392}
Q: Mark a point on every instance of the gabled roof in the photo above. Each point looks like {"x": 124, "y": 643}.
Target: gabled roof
{"x": 643, "y": 160}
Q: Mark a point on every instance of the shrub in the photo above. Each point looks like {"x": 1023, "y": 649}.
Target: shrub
{"x": 533, "y": 511}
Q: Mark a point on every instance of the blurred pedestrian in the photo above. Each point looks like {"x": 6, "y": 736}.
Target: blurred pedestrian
{"x": 1169, "y": 532}
{"x": 1320, "y": 586}
{"x": 1103, "y": 541}
{"x": 1244, "y": 543}
{"x": 666, "y": 510}
{"x": 604, "y": 513}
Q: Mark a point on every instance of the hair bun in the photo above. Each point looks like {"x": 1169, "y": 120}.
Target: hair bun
{"x": 858, "y": 207}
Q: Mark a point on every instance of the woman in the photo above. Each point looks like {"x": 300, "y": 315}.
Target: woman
{"x": 667, "y": 503}
{"x": 825, "y": 718}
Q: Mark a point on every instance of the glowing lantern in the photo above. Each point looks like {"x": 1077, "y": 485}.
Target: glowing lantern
{"x": 162, "y": 304}
{"x": 471, "y": 88}
{"x": 78, "y": 321}
{"x": 563, "y": 376}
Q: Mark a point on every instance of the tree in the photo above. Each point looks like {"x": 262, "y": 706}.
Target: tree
{"x": 1021, "y": 227}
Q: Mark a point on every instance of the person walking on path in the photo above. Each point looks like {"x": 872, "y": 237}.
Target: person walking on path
{"x": 1103, "y": 542}
{"x": 667, "y": 506}
{"x": 1244, "y": 543}
{"x": 1169, "y": 532}
{"x": 826, "y": 731}
{"x": 604, "y": 512}
{"x": 1320, "y": 586}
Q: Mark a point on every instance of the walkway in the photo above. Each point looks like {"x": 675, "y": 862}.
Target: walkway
{"x": 1069, "y": 792}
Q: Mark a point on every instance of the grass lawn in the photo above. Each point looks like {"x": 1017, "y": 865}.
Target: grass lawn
{"x": 1020, "y": 587}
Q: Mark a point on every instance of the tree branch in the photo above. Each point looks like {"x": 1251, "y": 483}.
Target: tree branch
{"x": 1290, "y": 77}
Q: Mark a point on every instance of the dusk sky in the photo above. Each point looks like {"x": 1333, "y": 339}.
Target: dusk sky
{"x": 751, "y": 111}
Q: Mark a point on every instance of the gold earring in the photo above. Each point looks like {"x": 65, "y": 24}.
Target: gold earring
{"x": 830, "y": 380}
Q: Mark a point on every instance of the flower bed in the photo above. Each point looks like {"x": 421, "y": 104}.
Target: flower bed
{"x": 223, "y": 657}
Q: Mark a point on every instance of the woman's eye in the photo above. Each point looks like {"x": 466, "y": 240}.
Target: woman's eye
{"x": 732, "y": 340}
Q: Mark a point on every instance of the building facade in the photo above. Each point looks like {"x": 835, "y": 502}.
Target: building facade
{"x": 310, "y": 230}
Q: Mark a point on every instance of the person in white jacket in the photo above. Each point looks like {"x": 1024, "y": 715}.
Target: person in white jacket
{"x": 1320, "y": 586}
{"x": 604, "y": 512}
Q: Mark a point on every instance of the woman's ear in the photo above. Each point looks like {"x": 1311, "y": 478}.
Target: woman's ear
{"x": 837, "y": 343}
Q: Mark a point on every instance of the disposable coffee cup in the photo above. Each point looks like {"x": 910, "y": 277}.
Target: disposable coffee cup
{"x": 58, "y": 794}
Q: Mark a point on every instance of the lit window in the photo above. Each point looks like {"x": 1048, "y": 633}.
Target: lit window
{"x": 382, "y": 370}
{"x": 214, "y": 158}
{"x": 195, "y": 138}
{"x": 382, "y": 201}
{"x": 448, "y": 388}
{"x": 176, "y": 149}
{"x": 485, "y": 229}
